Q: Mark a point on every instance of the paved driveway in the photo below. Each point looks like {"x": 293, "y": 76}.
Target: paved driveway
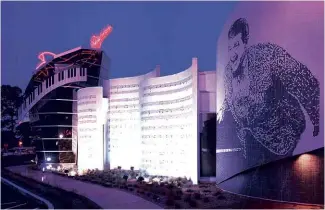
{"x": 12, "y": 199}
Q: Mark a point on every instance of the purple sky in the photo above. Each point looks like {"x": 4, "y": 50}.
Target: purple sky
{"x": 145, "y": 34}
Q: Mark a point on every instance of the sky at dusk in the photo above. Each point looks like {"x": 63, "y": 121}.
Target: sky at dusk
{"x": 145, "y": 34}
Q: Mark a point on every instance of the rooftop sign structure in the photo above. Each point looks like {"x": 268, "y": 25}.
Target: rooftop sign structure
{"x": 97, "y": 40}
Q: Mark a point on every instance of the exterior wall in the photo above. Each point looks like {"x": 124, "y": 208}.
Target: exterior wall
{"x": 269, "y": 106}
{"x": 124, "y": 120}
{"x": 149, "y": 116}
{"x": 90, "y": 128}
{"x": 302, "y": 179}
{"x": 169, "y": 124}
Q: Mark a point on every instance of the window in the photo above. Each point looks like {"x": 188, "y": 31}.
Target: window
{"x": 52, "y": 79}
{"x": 69, "y": 73}
{"x": 47, "y": 83}
{"x": 74, "y": 72}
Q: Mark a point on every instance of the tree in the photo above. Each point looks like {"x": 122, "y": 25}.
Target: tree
{"x": 11, "y": 99}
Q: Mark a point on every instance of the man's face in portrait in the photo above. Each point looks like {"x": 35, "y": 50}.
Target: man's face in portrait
{"x": 236, "y": 48}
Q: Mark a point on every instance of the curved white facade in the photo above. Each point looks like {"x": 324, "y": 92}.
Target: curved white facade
{"x": 90, "y": 128}
{"x": 124, "y": 120}
{"x": 152, "y": 122}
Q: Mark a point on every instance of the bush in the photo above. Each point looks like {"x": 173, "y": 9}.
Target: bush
{"x": 192, "y": 203}
{"x": 125, "y": 177}
{"x": 140, "y": 179}
{"x": 221, "y": 197}
{"x": 179, "y": 192}
{"x": 187, "y": 198}
{"x": 216, "y": 194}
{"x": 189, "y": 190}
{"x": 206, "y": 191}
{"x": 205, "y": 199}
{"x": 197, "y": 196}
{"x": 108, "y": 185}
{"x": 169, "y": 202}
{"x": 155, "y": 198}
{"x": 178, "y": 197}
{"x": 177, "y": 206}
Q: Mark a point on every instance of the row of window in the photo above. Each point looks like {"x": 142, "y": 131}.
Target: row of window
{"x": 87, "y": 97}
{"x": 125, "y": 91}
{"x": 174, "y": 101}
{"x": 181, "y": 126}
{"x": 86, "y": 102}
{"x": 168, "y": 117}
{"x": 170, "y": 84}
{"x": 86, "y": 110}
{"x": 165, "y": 102}
{"x": 167, "y": 92}
{"x": 166, "y": 136}
{"x": 171, "y": 110}
{"x": 124, "y": 86}
{"x": 87, "y": 121}
{"x": 87, "y": 117}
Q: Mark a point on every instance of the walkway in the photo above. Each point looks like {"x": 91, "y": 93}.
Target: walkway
{"x": 107, "y": 198}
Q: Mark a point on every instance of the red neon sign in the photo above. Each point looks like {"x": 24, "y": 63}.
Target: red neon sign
{"x": 97, "y": 41}
{"x": 41, "y": 57}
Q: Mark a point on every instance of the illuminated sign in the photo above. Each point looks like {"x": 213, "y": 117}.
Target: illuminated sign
{"x": 96, "y": 41}
{"x": 41, "y": 57}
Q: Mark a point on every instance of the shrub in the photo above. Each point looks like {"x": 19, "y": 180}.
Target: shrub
{"x": 156, "y": 198}
{"x": 192, "y": 203}
{"x": 169, "y": 202}
{"x": 170, "y": 186}
{"x": 178, "y": 197}
{"x": 179, "y": 192}
{"x": 206, "y": 191}
{"x": 205, "y": 199}
{"x": 125, "y": 177}
{"x": 119, "y": 167}
{"x": 177, "y": 206}
{"x": 221, "y": 197}
{"x": 189, "y": 190}
{"x": 140, "y": 179}
{"x": 197, "y": 196}
{"x": 187, "y": 198}
{"x": 216, "y": 194}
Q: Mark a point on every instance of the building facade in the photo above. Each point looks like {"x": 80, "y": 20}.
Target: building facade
{"x": 147, "y": 122}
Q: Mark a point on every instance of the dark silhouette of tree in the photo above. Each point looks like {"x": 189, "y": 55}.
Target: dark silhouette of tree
{"x": 11, "y": 99}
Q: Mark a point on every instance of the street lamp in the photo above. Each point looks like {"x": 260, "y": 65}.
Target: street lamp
{"x": 61, "y": 136}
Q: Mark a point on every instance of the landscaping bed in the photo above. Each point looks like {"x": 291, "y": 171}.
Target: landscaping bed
{"x": 167, "y": 192}
{"x": 173, "y": 193}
